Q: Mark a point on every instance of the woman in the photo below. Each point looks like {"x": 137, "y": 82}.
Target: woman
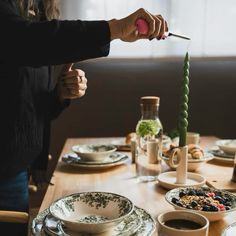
{"x": 32, "y": 42}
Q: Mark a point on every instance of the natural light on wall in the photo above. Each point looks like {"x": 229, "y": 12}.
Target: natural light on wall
{"x": 210, "y": 24}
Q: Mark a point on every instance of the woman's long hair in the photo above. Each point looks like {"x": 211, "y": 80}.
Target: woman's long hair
{"x": 51, "y": 8}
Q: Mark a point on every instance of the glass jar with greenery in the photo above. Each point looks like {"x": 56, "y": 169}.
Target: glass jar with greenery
{"x": 149, "y": 130}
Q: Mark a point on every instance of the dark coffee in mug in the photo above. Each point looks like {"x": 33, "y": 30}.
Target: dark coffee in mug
{"x": 182, "y": 224}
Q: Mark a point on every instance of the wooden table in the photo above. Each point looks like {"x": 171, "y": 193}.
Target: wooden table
{"x": 121, "y": 180}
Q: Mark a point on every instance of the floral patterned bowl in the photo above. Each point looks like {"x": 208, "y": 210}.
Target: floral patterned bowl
{"x": 91, "y": 212}
{"x": 94, "y": 153}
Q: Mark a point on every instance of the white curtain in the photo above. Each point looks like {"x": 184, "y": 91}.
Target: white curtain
{"x": 209, "y": 23}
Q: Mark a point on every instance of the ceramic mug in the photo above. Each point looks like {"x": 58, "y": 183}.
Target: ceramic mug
{"x": 164, "y": 230}
{"x": 192, "y": 138}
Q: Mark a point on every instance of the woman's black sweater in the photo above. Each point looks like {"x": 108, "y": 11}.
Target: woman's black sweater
{"x": 28, "y": 99}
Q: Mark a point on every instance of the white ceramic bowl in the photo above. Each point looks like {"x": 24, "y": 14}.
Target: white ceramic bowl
{"x": 194, "y": 164}
{"x": 210, "y": 215}
{"x": 91, "y": 212}
{"x": 227, "y": 145}
{"x": 94, "y": 153}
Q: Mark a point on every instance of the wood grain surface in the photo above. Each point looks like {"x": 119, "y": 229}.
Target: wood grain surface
{"x": 122, "y": 180}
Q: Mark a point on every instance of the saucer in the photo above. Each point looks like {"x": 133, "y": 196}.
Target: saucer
{"x": 222, "y": 156}
{"x": 168, "y": 180}
{"x": 230, "y": 230}
{"x": 139, "y": 223}
{"x": 227, "y": 145}
{"x": 74, "y": 158}
{"x": 114, "y": 160}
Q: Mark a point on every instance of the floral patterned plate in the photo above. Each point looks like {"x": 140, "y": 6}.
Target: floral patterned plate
{"x": 220, "y": 155}
{"x": 139, "y": 223}
{"x": 114, "y": 160}
{"x": 74, "y": 158}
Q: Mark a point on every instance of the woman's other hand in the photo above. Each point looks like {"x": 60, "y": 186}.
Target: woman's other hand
{"x": 72, "y": 83}
{"x": 126, "y": 29}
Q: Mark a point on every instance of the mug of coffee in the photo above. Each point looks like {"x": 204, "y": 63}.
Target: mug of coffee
{"x": 182, "y": 223}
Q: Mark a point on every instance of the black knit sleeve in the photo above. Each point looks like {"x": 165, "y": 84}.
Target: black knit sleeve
{"x": 28, "y": 43}
{"x": 55, "y": 107}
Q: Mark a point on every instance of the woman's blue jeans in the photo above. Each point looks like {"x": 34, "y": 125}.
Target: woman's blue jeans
{"x": 14, "y": 196}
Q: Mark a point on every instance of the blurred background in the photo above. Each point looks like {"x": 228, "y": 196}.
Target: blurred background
{"x": 209, "y": 23}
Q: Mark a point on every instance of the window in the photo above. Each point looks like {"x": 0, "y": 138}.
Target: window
{"x": 209, "y": 23}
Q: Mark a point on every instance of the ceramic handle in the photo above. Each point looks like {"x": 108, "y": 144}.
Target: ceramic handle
{"x": 172, "y": 160}
{"x": 181, "y": 154}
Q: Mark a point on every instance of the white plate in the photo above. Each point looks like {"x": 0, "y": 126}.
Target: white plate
{"x": 74, "y": 158}
{"x": 227, "y": 145}
{"x": 168, "y": 180}
{"x": 121, "y": 161}
{"x": 230, "y": 230}
{"x": 220, "y": 155}
{"x": 139, "y": 223}
{"x": 223, "y": 159}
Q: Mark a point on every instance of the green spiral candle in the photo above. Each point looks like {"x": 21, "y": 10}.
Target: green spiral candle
{"x": 183, "y": 114}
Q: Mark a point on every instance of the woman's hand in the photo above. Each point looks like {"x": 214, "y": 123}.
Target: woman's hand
{"x": 126, "y": 29}
{"x": 72, "y": 83}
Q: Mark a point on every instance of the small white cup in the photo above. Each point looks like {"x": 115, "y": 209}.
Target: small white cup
{"x": 192, "y": 138}
{"x": 164, "y": 230}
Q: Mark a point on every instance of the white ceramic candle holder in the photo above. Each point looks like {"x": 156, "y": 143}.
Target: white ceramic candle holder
{"x": 181, "y": 166}
{"x": 180, "y": 178}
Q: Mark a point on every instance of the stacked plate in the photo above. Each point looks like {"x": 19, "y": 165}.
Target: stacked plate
{"x": 94, "y": 156}
{"x": 93, "y": 213}
{"x": 225, "y": 150}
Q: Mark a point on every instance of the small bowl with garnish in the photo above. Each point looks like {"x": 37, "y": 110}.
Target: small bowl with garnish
{"x": 94, "y": 152}
{"x": 212, "y": 203}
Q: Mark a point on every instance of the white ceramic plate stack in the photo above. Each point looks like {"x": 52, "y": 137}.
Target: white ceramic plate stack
{"x": 94, "y": 156}
{"x": 225, "y": 150}
{"x": 90, "y": 213}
